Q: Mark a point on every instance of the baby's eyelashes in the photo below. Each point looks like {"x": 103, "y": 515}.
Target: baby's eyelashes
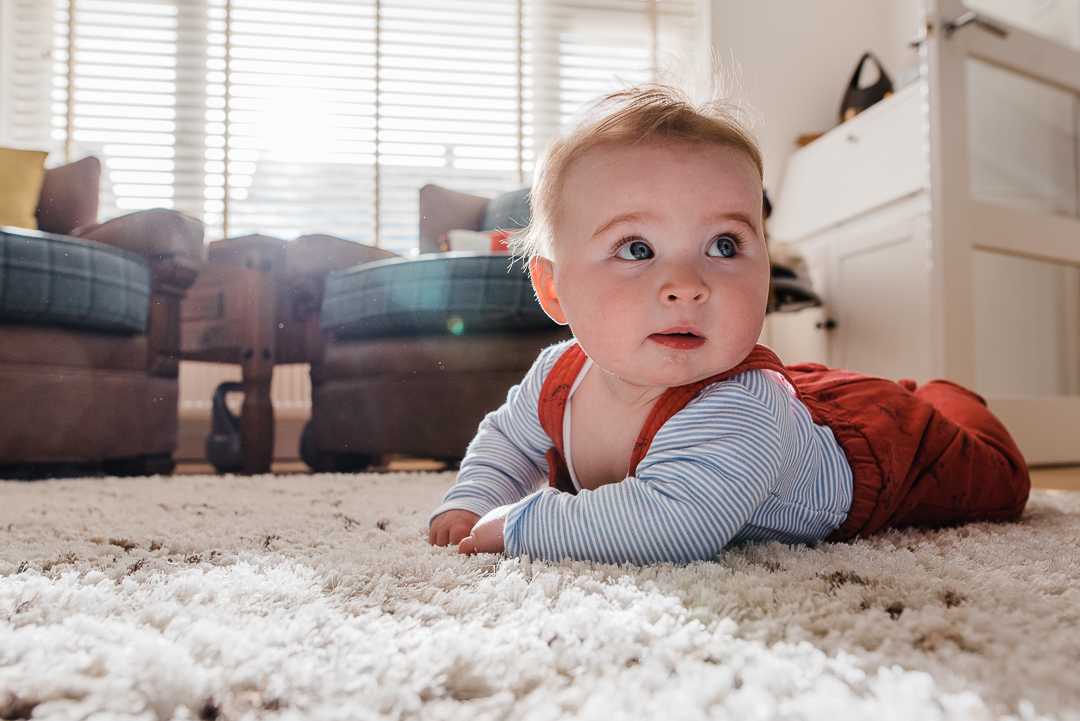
{"x": 634, "y": 250}
{"x": 726, "y": 246}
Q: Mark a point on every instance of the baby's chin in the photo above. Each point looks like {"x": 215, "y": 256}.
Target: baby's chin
{"x": 677, "y": 362}
{"x": 671, "y": 371}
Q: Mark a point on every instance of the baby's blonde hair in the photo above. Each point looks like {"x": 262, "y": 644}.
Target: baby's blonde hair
{"x": 651, "y": 112}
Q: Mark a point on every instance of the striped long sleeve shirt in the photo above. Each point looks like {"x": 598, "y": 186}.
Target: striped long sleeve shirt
{"x": 743, "y": 461}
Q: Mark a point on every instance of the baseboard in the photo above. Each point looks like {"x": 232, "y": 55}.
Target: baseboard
{"x": 194, "y": 427}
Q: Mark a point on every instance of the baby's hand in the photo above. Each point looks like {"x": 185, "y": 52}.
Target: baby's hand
{"x": 450, "y": 527}
{"x": 487, "y": 534}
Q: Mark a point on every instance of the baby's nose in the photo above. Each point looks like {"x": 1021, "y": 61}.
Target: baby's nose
{"x": 684, "y": 285}
{"x": 685, "y": 294}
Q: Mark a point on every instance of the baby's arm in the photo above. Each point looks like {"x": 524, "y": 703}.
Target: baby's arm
{"x": 505, "y": 461}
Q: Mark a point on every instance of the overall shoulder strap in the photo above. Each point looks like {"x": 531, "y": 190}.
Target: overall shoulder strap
{"x": 556, "y": 391}
{"x": 675, "y": 399}
{"x": 552, "y": 410}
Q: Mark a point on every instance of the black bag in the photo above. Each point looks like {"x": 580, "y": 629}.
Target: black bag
{"x": 858, "y": 99}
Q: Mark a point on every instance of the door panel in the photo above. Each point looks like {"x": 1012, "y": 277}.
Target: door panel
{"x": 1027, "y": 326}
{"x": 881, "y": 294}
{"x": 1022, "y": 141}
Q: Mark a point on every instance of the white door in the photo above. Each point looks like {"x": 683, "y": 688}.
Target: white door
{"x": 1004, "y": 119}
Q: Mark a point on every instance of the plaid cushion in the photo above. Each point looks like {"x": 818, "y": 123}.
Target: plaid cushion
{"x": 52, "y": 279}
{"x": 508, "y": 211}
{"x": 434, "y": 295}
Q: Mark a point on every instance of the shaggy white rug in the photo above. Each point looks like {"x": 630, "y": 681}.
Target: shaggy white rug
{"x": 317, "y": 597}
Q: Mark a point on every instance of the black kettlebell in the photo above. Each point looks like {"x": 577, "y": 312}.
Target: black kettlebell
{"x": 223, "y": 448}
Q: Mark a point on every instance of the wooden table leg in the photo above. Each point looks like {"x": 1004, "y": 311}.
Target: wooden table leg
{"x": 257, "y": 303}
{"x": 262, "y": 269}
{"x": 257, "y": 425}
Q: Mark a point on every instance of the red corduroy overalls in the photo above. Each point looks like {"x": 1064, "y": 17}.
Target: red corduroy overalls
{"x": 931, "y": 456}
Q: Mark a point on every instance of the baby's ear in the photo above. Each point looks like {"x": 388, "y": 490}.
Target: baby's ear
{"x": 543, "y": 280}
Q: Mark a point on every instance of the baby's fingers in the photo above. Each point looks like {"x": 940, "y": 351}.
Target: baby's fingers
{"x": 467, "y": 546}
{"x": 458, "y": 532}
{"x": 438, "y": 535}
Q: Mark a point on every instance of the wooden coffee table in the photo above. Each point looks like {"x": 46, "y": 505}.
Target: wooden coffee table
{"x": 257, "y": 303}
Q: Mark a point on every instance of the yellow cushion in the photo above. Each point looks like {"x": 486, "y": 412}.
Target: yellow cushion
{"x": 21, "y": 174}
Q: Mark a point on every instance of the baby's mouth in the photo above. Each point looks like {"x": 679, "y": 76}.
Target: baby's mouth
{"x": 683, "y": 340}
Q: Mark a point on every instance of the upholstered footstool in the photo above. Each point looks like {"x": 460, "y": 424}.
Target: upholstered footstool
{"x": 418, "y": 351}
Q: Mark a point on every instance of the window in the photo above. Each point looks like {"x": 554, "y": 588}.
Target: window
{"x": 288, "y": 117}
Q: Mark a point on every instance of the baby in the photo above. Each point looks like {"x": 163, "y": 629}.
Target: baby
{"x": 661, "y": 431}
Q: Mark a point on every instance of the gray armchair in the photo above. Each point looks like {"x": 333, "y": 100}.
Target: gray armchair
{"x": 418, "y": 351}
{"x": 89, "y": 333}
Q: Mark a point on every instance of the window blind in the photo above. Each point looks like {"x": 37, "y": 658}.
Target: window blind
{"x": 287, "y": 117}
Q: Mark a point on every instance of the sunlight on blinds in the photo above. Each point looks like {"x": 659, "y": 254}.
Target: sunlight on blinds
{"x": 294, "y": 152}
{"x": 448, "y": 103}
{"x": 288, "y": 117}
{"x": 29, "y": 57}
{"x": 124, "y": 97}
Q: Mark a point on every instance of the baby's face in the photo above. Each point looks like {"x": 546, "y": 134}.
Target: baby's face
{"x": 659, "y": 260}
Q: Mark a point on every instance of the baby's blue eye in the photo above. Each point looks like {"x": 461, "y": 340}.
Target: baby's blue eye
{"x": 723, "y": 247}
{"x": 636, "y": 250}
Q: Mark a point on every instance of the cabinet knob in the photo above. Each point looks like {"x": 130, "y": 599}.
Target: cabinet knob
{"x": 828, "y": 324}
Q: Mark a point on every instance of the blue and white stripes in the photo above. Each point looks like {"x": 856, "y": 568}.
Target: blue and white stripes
{"x": 743, "y": 461}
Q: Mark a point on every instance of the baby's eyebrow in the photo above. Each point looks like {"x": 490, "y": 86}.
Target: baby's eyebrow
{"x": 637, "y": 216}
{"x": 738, "y": 217}
{"x": 619, "y": 220}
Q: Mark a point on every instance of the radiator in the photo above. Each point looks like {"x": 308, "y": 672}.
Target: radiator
{"x": 290, "y": 389}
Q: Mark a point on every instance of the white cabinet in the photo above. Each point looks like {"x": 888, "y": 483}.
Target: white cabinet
{"x": 855, "y": 204}
{"x": 874, "y": 274}
{"x": 865, "y": 237}
{"x": 944, "y": 240}
{"x": 799, "y": 336}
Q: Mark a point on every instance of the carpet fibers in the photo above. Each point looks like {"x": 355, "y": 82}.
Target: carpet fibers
{"x": 317, "y": 597}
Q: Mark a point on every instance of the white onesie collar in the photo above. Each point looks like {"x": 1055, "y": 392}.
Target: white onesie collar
{"x": 566, "y": 423}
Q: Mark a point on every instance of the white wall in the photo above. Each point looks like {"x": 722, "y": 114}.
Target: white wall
{"x": 796, "y": 58}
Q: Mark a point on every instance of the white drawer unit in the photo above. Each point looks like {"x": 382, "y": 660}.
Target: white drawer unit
{"x": 832, "y": 179}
